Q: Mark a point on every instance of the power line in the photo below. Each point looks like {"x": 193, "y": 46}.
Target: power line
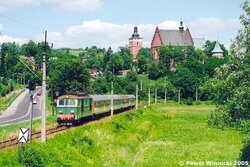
{"x": 20, "y": 22}
{"x": 4, "y": 32}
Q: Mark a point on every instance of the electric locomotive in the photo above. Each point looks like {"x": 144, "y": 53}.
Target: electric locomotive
{"x": 71, "y": 108}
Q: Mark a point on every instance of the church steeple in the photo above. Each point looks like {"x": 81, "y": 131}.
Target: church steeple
{"x": 181, "y": 28}
{"x": 135, "y": 35}
{"x": 217, "y": 52}
{"x": 135, "y": 43}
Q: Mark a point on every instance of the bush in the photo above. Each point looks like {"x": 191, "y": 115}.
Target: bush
{"x": 197, "y": 102}
{"x": 29, "y": 157}
{"x": 245, "y": 152}
{"x": 188, "y": 101}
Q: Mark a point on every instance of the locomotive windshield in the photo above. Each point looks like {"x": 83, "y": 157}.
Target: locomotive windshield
{"x": 67, "y": 103}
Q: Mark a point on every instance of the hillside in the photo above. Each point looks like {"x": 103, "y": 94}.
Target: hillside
{"x": 157, "y": 136}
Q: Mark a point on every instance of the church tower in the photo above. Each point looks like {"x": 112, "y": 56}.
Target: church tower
{"x": 217, "y": 52}
{"x": 135, "y": 43}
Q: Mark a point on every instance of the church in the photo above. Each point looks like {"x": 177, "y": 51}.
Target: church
{"x": 163, "y": 37}
{"x": 135, "y": 43}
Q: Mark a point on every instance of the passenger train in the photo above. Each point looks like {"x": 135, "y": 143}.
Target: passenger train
{"x": 72, "y": 109}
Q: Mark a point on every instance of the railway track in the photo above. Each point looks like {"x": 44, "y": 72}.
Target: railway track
{"x": 36, "y": 135}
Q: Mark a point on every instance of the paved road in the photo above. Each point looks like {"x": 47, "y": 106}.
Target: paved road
{"x": 20, "y": 110}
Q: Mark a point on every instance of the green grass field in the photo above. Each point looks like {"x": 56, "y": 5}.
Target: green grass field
{"x": 157, "y": 136}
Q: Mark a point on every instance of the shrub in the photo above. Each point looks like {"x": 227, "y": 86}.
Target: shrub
{"x": 245, "y": 151}
{"x": 188, "y": 101}
{"x": 29, "y": 157}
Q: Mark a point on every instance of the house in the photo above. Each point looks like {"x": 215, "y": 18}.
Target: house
{"x": 163, "y": 37}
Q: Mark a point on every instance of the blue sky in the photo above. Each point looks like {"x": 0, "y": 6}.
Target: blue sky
{"x": 104, "y": 23}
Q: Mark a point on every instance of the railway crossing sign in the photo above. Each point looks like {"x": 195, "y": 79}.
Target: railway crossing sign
{"x": 23, "y": 135}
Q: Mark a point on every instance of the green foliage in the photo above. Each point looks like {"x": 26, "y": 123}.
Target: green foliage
{"x": 188, "y": 101}
{"x": 211, "y": 64}
{"x": 154, "y": 71}
{"x": 147, "y": 137}
{"x": 142, "y": 64}
{"x": 9, "y": 58}
{"x": 100, "y": 86}
{"x": 68, "y": 74}
{"x": 245, "y": 152}
{"x": 115, "y": 63}
{"x": 126, "y": 57}
{"x": 143, "y": 59}
{"x": 28, "y": 156}
{"x": 106, "y": 58}
{"x": 195, "y": 67}
{"x": 166, "y": 53}
{"x": 80, "y": 141}
{"x": 132, "y": 76}
{"x": 184, "y": 80}
{"x": 30, "y": 49}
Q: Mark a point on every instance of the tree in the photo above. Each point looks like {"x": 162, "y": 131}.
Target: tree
{"x": 30, "y": 49}
{"x": 94, "y": 62}
{"x": 184, "y": 80}
{"x": 153, "y": 71}
{"x": 9, "y": 54}
{"x": 145, "y": 52}
{"x": 115, "y": 63}
{"x": 142, "y": 63}
{"x": 68, "y": 74}
{"x": 126, "y": 57}
{"x": 100, "y": 86}
{"x": 230, "y": 84}
{"x": 106, "y": 58}
{"x": 171, "y": 56}
{"x": 211, "y": 64}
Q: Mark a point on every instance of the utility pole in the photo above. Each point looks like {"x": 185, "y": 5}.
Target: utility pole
{"x": 136, "y": 96}
{"x": 165, "y": 91}
{"x": 31, "y": 115}
{"x": 32, "y": 88}
{"x": 141, "y": 85}
{"x": 179, "y": 96}
{"x": 196, "y": 94}
{"x": 136, "y": 88}
{"x": 148, "y": 95}
{"x": 155, "y": 95}
{"x": 112, "y": 99}
{"x": 112, "y": 93}
{"x": 43, "y": 131}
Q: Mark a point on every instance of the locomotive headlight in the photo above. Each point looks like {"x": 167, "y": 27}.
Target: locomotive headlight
{"x": 72, "y": 111}
{"x": 60, "y": 112}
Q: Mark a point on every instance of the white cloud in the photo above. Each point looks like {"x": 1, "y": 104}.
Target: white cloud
{"x": 7, "y": 38}
{"x": 58, "y": 40}
{"x": 77, "y": 5}
{"x": 213, "y": 26}
{"x": 7, "y": 4}
{"x": 105, "y": 34}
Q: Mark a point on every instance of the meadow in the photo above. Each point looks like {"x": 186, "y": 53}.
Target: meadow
{"x": 159, "y": 135}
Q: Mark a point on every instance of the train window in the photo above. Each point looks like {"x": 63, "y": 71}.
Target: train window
{"x": 67, "y": 103}
{"x": 61, "y": 102}
{"x": 86, "y": 102}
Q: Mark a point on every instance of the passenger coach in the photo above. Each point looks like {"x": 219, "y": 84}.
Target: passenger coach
{"x": 71, "y": 109}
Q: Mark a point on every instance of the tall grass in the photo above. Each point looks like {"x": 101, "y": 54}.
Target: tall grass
{"x": 155, "y": 136}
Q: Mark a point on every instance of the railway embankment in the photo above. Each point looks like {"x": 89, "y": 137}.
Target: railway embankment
{"x": 159, "y": 135}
